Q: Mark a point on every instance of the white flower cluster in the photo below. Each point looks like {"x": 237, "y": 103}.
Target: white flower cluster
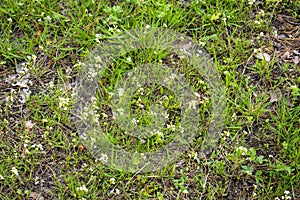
{"x": 82, "y": 188}
{"x": 285, "y": 196}
{"x": 64, "y": 103}
{"x": 242, "y": 150}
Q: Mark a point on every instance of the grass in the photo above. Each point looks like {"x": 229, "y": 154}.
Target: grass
{"x": 42, "y": 45}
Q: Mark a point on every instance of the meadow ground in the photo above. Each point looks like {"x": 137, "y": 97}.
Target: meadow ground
{"x": 255, "y": 46}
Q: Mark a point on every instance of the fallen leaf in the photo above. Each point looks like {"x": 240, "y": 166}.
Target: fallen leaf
{"x": 29, "y": 125}
{"x": 275, "y": 95}
{"x": 263, "y": 56}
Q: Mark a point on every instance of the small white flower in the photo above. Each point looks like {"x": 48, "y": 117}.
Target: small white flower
{"x": 171, "y": 127}
{"x": 134, "y": 121}
{"x": 234, "y": 117}
{"x": 32, "y": 57}
{"x": 257, "y": 22}
{"x": 225, "y": 134}
{"x": 242, "y": 149}
{"x": 99, "y": 36}
{"x": 141, "y": 91}
{"x": 82, "y": 188}
{"x": 63, "y": 102}
{"x": 1, "y": 177}
{"x": 185, "y": 191}
{"x": 129, "y": 59}
{"x": 195, "y": 155}
{"x": 147, "y": 26}
{"x": 9, "y": 19}
{"x": 117, "y": 191}
{"x": 261, "y": 34}
{"x": 104, "y": 115}
{"x": 48, "y": 18}
{"x": 15, "y": 171}
{"x": 36, "y": 180}
{"x": 251, "y": 2}
{"x": 40, "y": 147}
{"x": 160, "y": 134}
{"x": 286, "y": 192}
{"x": 111, "y": 29}
{"x": 166, "y": 115}
{"x": 248, "y": 172}
{"x": 50, "y": 84}
{"x": 112, "y": 181}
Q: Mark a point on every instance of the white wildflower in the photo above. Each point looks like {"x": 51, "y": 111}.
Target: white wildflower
{"x": 225, "y": 134}
{"x": 82, "y": 188}
{"x": 104, "y": 115}
{"x": 15, "y": 171}
{"x": 257, "y": 22}
{"x": 286, "y": 192}
{"x": 117, "y": 191}
{"x": 50, "y": 84}
{"x": 63, "y": 102}
{"x": 134, "y": 121}
{"x": 48, "y": 18}
{"x": 166, "y": 115}
{"x": 36, "y": 180}
{"x": 251, "y": 2}
{"x": 98, "y": 36}
{"x": 234, "y": 117}
{"x": 40, "y": 146}
{"x": 185, "y": 191}
{"x": 112, "y": 181}
{"x": 242, "y": 149}
{"x": 160, "y": 134}
{"x": 171, "y": 127}
{"x": 9, "y": 19}
{"x": 129, "y": 59}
